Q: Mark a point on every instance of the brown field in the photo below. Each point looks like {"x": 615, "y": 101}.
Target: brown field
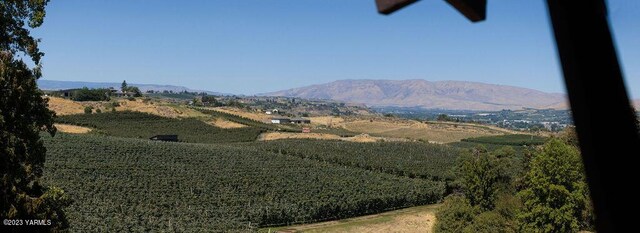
{"x": 324, "y": 136}
{"x": 416, "y": 219}
{"x": 286, "y": 135}
{"x": 225, "y": 124}
{"x": 156, "y": 108}
{"x": 72, "y": 128}
{"x": 257, "y": 116}
{"x": 329, "y": 121}
{"x": 380, "y": 128}
{"x": 432, "y": 132}
{"x": 66, "y": 107}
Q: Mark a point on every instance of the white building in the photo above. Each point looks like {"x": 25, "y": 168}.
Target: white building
{"x": 280, "y": 120}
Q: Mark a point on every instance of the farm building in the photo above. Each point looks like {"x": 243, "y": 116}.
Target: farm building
{"x": 285, "y": 120}
{"x": 165, "y": 138}
{"x": 280, "y": 120}
{"x": 274, "y": 111}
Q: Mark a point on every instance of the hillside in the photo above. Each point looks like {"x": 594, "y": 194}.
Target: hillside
{"x": 143, "y": 125}
{"x": 422, "y": 93}
{"x": 157, "y": 107}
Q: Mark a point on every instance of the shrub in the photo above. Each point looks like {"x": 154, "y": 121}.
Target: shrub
{"x": 88, "y": 110}
{"x": 455, "y": 215}
{"x": 490, "y": 222}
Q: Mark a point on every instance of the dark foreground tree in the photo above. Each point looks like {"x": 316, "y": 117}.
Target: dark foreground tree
{"x": 23, "y": 115}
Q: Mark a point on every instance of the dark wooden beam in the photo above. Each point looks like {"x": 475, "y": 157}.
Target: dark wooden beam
{"x": 474, "y": 10}
{"x": 601, "y": 109}
{"x": 386, "y": 7}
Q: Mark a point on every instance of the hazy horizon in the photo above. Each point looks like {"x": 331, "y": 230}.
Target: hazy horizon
{"x": 249, "y": 94}
{"x": 251, "y": 47}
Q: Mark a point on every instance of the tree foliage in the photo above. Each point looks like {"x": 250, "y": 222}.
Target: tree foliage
{"x": 443, "y": 117}
{"x": 124, "y": 86}
{"x": 455, "y": 214}
{"x": 485, "y": 179}
{"x": 480, "y": 176}
{"x": 211, "y": 101}
{"x": 135, "y": 90}
{"x": 489, "y": 222}
{"x": 86, "y": 94}
{"x": 548, "y": 195}
{"x": 555, "y": 194}
{"x": 23, "y": 114}
{"x": 88, "y": 110}
{"x": 17, "y": 17}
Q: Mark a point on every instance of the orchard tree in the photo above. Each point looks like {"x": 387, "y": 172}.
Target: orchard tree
{"x": 23, "y": 115}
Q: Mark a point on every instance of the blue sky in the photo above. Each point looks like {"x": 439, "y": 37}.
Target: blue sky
{"x": 248, "y": 47}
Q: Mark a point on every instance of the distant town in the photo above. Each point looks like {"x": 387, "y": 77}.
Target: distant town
{"x": 527, "y": 119}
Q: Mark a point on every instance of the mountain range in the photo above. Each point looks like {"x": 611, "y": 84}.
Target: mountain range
{"x": 453, "y": 95}
{"x": 62, "y": 85}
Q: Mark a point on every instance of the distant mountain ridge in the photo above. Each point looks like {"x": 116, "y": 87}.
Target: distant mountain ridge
{"x": 61, "y": 85}
{"x": 454, "y": 95}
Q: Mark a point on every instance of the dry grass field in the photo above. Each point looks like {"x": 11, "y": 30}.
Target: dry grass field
{"x": 67, "y": 107}
{"x": 72, "y": 128}
{"x": 64, "y": 106}
{"x": 432, "y": 132}
{"x": 416, "y": 219}
{"x": 285, "y": 135}
{"x": 325, "y": 136}
{"x": 225, "y": 124}
{"x": 256, "y": 116}
{"x": 329, "y": 121}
